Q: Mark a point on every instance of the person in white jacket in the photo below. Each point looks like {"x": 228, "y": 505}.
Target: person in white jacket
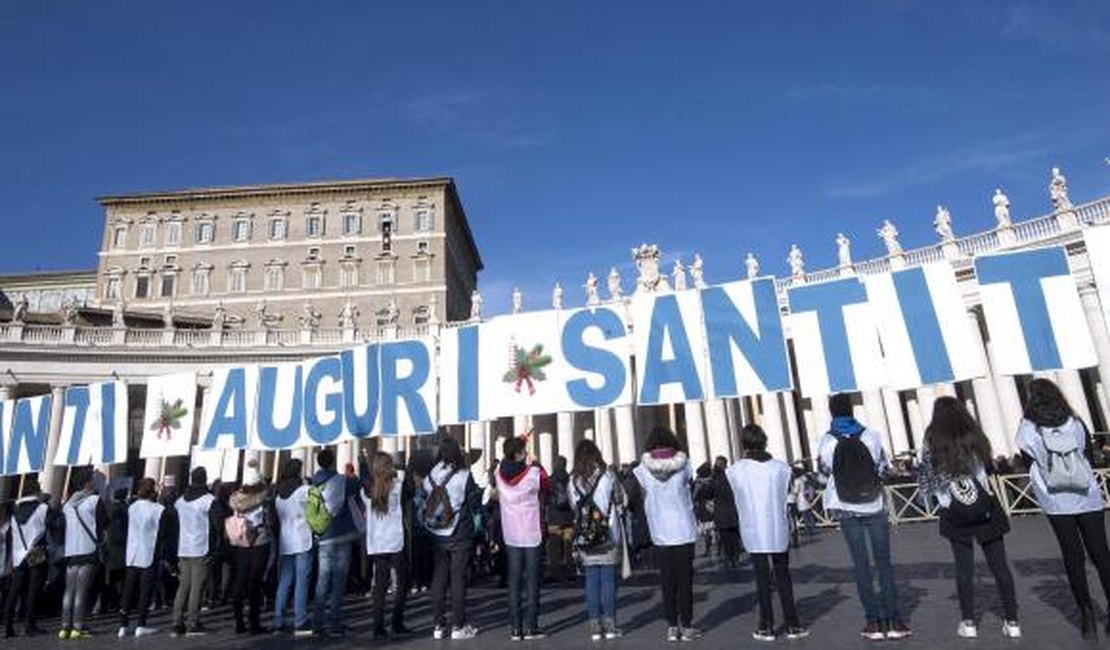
{"x": 294, "y": 548}
{"x": 387, "y": 500}
{"x": 592, "y": 479}
{"x": 144, "y": 536}
{"x": 28, "y": 556}
{"x": 84, "y": 520}
{"x": 664, "y": 476}
{"x": 760, "y": 485}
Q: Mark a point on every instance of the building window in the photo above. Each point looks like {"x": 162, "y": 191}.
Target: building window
{"x": 241, "y": 230}
{"x": 350, "y": 251}
{"x": 169, "y": 284}
{"x": 313, "y": 254}
{"x": 275, "y": 278}
{"x": 352, "y": 224}
{"x": 173, "y": 233}
{"x": 385, "y": 272}
{"x": 206, "y": 231}
{"x": 142, "y": 286}
{"x": 421, "y": 270}
{"x": 314, "y": 226}
{"x": 424, "y": 221}
{"x": 201, "y": 284}
{"x": 119, "y": 237}
{"x": 423, "y": 247}
{"x": 277, "y": 229}
{"x": 144, "y": 262}
{"x": 348, "y": 275}
{"x": 170, "y": 261}
{"x": 312, "y": 278}
{"x": 148, "y": 235}
{"x": 237, "y": 280}
{"x": 420, "y": 316}
{"x": 111, "y": 289}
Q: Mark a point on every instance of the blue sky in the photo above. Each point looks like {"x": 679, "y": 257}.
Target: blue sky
{"x": 575, "y": 130}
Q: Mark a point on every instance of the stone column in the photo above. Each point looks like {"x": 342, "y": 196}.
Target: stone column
{"x": 988, "y": 398}
{"x": 875, "y": 417}
{"x": 895, "y": 422}
{"x": 822, "y": 420}
{"x": 917, "y": 421}
{"x": 388, "y": 444}
{"x": 1097, "y": 325}
{"x": 547, "y": 451}
{"x": 717, "y": 425}
{"x": 926, "y": 396}
{"x": 812, "y": 435}
{"x": 772, "y": 425}
{"x": 603, "y": 432}
{"x": 626, "y": 434}
{"x": 695, "y": 433}
{"x": 344, "y": 455}
{"x": 792, "y": 430}
{"x": 52, "y": 476}
{"x": 1072, "y": 387}
{"x": 564, "y": 431}
{"x": 6, "y": 481}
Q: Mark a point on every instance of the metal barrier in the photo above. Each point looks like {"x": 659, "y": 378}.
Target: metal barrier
{"x": 906, "y": 503}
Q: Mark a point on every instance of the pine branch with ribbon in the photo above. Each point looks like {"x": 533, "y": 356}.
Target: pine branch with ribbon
{"x": 526, "y": 368}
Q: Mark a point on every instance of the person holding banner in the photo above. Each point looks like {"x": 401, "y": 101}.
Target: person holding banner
{"x": 196, "y": 539}
{"x": 145, "y": 534}
{"x": 760, "y": 485}
{"x": 85, "y": 517}
{"x": 955, "y": 459}
{"x": 520, "y": 486}
{"x": 295, "y": 548}
{"x": 388, "y": 499}
{"x": 28, "y": 557}
{"x": 597, "y": 499}
{"x": 453, "y": 500}
{"x": 665, "y": 476}
{"x": 851, "y": 456}
{"x": 1056, "y": 447}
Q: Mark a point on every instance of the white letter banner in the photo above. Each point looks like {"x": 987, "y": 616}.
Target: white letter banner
{"x": 94, "y": 425}
{"x": 669, "y": 340}
{"x": 169, "y": 416}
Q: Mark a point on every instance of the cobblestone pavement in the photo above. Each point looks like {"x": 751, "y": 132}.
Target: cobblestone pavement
{"x": 725, "y": 605}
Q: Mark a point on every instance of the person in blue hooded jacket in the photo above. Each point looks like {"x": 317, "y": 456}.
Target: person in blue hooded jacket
{"x": 335, "y": 545}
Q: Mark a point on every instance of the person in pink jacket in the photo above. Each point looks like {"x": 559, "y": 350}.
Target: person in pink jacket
{"x": 520, "y": 486}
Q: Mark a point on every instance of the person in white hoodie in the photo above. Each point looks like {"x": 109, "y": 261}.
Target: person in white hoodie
{"x": 388, "y": 502}
{"x": 145, "y": 534}
{"x": 664, "y": 476}
{"x": 453, "y": 498}
{"x": 1074, "y": 512}
{"x": 760, "y": 485}
{"x": 197, "y": 533}
{"x": 84, "y": 519}
{"x": 294, "y": 547}
{"x": 28, "y": 557}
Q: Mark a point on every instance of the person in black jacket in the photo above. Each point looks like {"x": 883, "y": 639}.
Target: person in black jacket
{"x": 725, "y": 518}
{"x": 115, "y": 544}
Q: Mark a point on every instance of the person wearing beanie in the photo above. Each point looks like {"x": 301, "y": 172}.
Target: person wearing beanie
{"x": 194, "y": 545}
{"x": 852, "y": 457}
{"x": 250, "y": 532}
{"x": 28, "y": 558}
{"x": 85, "y": 519}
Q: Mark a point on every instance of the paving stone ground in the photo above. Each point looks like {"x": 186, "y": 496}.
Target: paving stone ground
{"x": 725, "y": 606}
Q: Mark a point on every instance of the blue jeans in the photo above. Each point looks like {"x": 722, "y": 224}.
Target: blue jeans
{"x": 857, "y": 532}
{"x": 601, "y": 591}
{"x": 331, "y": 585}
{"x": 295, "y": 570}
{"x": 524, "y": 567}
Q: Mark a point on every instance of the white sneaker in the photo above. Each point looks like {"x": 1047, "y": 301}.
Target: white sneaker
{"x": 467, "y": 631}
{"x": 439, "y": 632}
{"x": 1011, "y": 630}
{"x": 122, "y": 632}
{"x": 967, "y": 630}
{"x": 145, "y": 631}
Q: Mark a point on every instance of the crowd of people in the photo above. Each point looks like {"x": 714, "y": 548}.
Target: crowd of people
{"x": 292, "y": 542}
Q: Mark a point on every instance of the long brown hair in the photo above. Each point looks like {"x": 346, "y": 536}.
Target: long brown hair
{"x": 587, "y": 460}
{"x": 955, "y": 440}
{"x": 382, "y": 475}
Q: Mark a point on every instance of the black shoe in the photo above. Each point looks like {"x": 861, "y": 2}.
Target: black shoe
{"x": 257, "y": 630}
{"x": 33, "y": 630}
{"x": 177, "y": 631}
{"x": 380, "y": 632}
{"x": 516, "y": 635}
{"x": 9, "y": 632}
{"x": 400, "y": 630}
{"x": 240, "y": 628}
{"x": 1088, "y": 629}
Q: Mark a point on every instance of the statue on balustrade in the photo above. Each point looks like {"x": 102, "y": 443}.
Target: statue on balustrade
{"x": 475, "y": 305}
{"x": 518, "y": 301}
{"x": 1058, "y": 190}
{"x": 69, "y": 312}
{"x": 264, "y": 319}
{"x": 752, "y": 265}
{"x": 647, "y": 266}
{"x": 697, "y": 272}
{"x": 889, "y": 234}
{"x": 797, "y": 262}
{"x": 391, "y": 312}
{"x": 167, "y": 316}
{"x": 678, "y": 276}
{"x": 348, "y": 316}
{"x": 310, "y": 317}
{"x": 19, "y": 311}
{"x": 614, "y": 280}
{"x": 843, "y": 249}
{"x": 433, "y": 309}
{"x": 557, "y": 296}
{"x": 1001, "y": 209}
{"x": 219, "y": 317}
{"x": 592, "y": 296}
{"x": 942, "y": 224}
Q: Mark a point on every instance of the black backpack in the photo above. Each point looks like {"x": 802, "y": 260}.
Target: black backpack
{"x": 970, "y": 505}
{"x": 591, "y": 526}
{"x": 439, "y": 514}
{"x": 857, "y": 480}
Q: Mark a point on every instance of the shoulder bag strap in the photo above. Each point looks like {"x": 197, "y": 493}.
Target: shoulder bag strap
{"x": 88, "y": 531}
{"x": 22, "y": 540}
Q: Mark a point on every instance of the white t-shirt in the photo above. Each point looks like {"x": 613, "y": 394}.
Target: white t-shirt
{"x": 33, "y": 529}
{"x": 81, "y": 509}
{"x": 143, "y": 518}
{"x": 296, "y": 536}
{"x": 760, "y": 490}
{"x": 192, "y": 539}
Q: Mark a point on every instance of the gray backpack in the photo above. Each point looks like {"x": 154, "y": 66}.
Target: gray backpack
{"x": 1065, "y": 468}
